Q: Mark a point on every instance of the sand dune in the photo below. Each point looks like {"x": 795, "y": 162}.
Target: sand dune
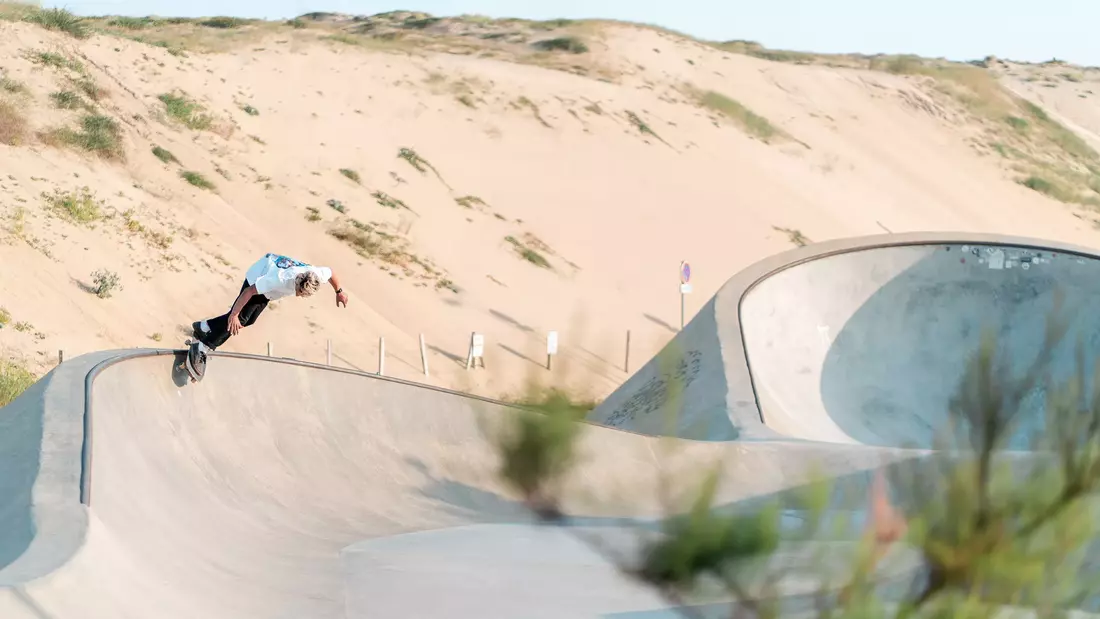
{"x": 612, "y": 165}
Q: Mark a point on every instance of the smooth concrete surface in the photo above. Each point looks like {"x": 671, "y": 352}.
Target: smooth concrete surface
{"x": 237, "y": 496}
{"x": 857, "y": 341}
{"x": 547, "y": 572}
{"x": 870, "y": 346}
{"x": 554, "y": 571}
{"x": 41, "y": 441}
{"x": 276, "y": 489}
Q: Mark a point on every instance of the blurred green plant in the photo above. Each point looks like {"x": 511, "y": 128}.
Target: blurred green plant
{"x": 539, "y": 448}
{"x": 989, "y": 527}
{"x": 14, "y": 380}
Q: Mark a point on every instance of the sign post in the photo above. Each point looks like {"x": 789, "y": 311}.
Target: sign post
{"x": 685, "y": 288}
{"x": 477, "y": 350}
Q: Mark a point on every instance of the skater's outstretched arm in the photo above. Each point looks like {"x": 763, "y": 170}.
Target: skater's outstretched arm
{"x": 341, "y": 296}
{"x": 238, "y": 305}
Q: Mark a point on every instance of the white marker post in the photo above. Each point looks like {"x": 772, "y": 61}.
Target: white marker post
{"x": 423, "y": 355}
{"x": 685, "y": 288}
{"x": 269, "y": 349}
{"x": 381, "y": 355}
{"x": 626, "y": 358}
{"x": 551, "y": 346}
{"x": 477, "y": 350}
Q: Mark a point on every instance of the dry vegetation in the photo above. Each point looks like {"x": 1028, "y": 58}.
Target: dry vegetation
{"x": 1048, "y": 157}
{"x": 559, "y": 44}
{"x": 96, "y": 134}
{"x": 185, "y": 111}
{"x": 1045, "y": 155}
{"x": 80, "y": 206}
{"x": 752, "y": 123}
{"x": 15, "y": 378}
{"x": 13, "y": 124}
{"x": 389, "y": 251}
{"x": 988, "y": 535}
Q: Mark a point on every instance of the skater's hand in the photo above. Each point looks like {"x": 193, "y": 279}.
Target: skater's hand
{"x": 341, "y": 297}
{"x": 234, "y": 324}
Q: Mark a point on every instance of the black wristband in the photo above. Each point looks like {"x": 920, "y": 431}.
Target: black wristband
{"x": 339, "y": 290}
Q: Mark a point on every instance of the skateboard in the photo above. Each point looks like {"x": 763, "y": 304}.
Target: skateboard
{"x": 196, "y": 374}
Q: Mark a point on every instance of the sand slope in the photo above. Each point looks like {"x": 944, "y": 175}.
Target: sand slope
{"x": 558, "y": 162}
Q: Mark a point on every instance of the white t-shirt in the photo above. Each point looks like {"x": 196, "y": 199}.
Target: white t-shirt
{"x": 273, "y": 275}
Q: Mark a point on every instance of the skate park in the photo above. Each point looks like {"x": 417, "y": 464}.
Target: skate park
{"x": 277, "y": 488}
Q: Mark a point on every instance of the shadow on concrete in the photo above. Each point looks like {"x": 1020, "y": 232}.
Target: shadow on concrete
{"x": 180, "y": 376}
{"x": 348, "y": 363}
{"x": 472, "y": 504}
{"x": 890, "y": 373}
{"x": 31, "y": 605}
{"x": 21, "y": 434}
{"x": 845, "y": 523}
{"x": 660, "y": 323}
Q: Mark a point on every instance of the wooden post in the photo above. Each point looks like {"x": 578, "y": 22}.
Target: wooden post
{"x": 269, "y": 349}
{"x": 328, "y": 354}
{"x": 551, "y": 348}
{"x": 381, "y": 356}
{"x": 60, "y": 356}
{"x": 423, "y": 355}
{"x": 626, "y": 361}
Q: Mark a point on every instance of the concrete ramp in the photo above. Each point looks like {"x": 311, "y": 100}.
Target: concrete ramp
{"x": 280, "y": 489}
{"x": 870, "y": 346}
{"x": 273, "y": 489}
{"x": 861, "y": 341}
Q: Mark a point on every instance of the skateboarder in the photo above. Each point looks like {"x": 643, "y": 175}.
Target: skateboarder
{"x": 272, "y": 277}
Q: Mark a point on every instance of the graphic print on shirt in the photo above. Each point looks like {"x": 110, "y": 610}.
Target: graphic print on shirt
{"x": 285, "y": 262}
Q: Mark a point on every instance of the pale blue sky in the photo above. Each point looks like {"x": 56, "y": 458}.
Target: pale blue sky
{"x": 1027, "y": 30}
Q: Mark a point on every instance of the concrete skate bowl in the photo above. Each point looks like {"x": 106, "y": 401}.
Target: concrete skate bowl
{"x": 862, "y": 341}
{"x": 860, "y": 344}
{"x": 279, "y": 489}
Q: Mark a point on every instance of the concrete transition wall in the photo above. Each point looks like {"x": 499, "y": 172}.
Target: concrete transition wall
{"x": 250, "y": 493}
{"x": 861, "y": 341}
{"x": 277, "y": 488}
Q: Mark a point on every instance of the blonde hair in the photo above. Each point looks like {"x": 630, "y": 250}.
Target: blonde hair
{"x": 307, "y": 284}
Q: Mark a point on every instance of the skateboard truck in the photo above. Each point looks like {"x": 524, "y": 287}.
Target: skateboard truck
{"x": 193, "y": 373}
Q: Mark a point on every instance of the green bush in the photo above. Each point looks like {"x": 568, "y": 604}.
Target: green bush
{"x": 185, "y": 111}
{"x": 223, "y": 22}
{"x": 196, "y": 179}
{"x": 572, "y": 45}
{"x": 60, "y": 20}
{"x": 164, "y": 155}
{"x": 14, "y": 380}
{"x": 98, "y": 134}
{"x": 987, "y": 532}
